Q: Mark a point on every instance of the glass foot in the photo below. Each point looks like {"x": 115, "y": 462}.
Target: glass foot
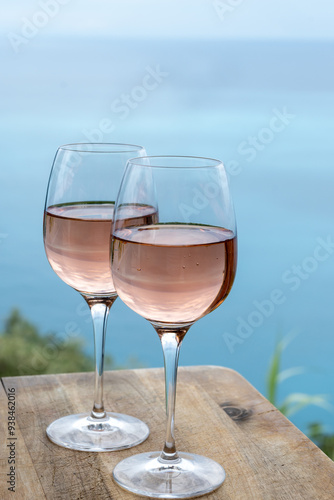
{"x": 85, "y": 433}
{"x": 147, "y": 475}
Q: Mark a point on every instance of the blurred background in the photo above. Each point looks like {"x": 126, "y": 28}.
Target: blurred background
{"x": 248, "y": 82}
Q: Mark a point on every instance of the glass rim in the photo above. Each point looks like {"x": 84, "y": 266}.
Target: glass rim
{"x": 207, "y": 162}
{"x": 101, "y": 147}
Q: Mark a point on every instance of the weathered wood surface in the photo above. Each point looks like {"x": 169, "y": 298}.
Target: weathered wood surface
{"x": 219, "y": 414}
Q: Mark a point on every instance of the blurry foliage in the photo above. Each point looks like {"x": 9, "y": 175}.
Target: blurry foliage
{"x": 325, "y": 441}
{"x": 297, "y": 401}
{"x": 24, "y": 351}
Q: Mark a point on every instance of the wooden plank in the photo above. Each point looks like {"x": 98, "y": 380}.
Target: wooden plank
{"x": 219, "y": 414}
{"x": 27, "y": 485}
{"x": 270, "y": 458}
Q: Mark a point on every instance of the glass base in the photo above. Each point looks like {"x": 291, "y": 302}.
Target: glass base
{"x": 84, "y": 433}
{"x": 147, "y": 475}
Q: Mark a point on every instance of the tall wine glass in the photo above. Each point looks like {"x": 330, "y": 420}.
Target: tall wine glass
{"x": 78, "y": 214}
{"x": 172, "y": 272}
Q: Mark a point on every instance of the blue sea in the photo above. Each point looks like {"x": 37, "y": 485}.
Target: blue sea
{"x": 266, "y": 109}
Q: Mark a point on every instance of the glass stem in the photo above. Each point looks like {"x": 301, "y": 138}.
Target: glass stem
{"x": 99, "y": 309}
{"x": 171, "y": 342}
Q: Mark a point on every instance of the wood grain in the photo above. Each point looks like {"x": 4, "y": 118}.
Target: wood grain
{"x": 218, "y": 414}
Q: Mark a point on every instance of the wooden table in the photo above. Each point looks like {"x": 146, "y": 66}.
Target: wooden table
{"x": 218, "y": 414}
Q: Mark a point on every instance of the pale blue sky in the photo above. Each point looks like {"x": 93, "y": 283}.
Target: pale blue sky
{"x": 174, "y": 18}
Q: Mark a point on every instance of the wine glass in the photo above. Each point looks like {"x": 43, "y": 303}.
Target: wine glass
{"x": 78, "y": 214}
{"x": 172, "y": 272}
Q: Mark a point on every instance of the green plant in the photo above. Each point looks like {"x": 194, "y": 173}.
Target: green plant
{"x": 24, "y": 351}
{"x": 325, "y": 441}
{"x": 297, "y": 401}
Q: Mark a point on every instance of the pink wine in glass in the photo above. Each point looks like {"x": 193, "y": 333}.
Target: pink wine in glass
{"x": 174, "y": 273}
{"x": 77, "y": 242}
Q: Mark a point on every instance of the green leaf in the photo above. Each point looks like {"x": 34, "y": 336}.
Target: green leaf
{"x": 290, "y": 372}
{"x": 273, "y": 376}
{"x": 297, "y": 401}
